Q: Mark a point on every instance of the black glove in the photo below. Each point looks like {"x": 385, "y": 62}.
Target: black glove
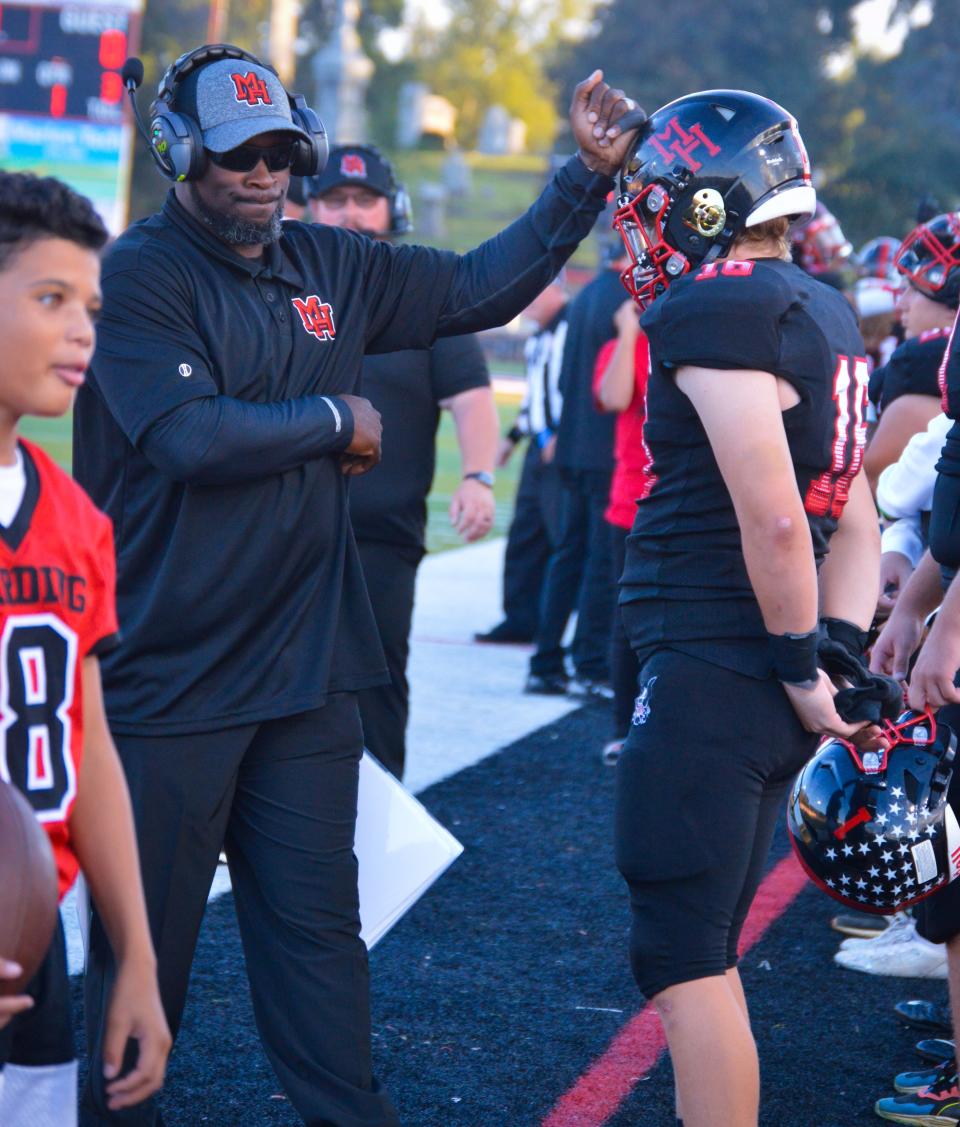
{"x": 870, "y": 696}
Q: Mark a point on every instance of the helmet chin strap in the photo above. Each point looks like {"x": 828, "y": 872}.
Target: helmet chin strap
{"x": 721, "y": 246}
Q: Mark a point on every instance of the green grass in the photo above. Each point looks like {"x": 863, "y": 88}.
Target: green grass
{"x": 55, "y": 436}
{"x": 501, "y": 190}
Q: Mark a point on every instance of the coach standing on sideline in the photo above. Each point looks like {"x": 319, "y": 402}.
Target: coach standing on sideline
{"x": 215, "y": 428}
{"x": 388, "y": 507}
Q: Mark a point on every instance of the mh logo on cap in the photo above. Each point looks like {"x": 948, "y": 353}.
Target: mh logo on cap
{"x": 251, "y": 89}
{"x": 351, "y": 164}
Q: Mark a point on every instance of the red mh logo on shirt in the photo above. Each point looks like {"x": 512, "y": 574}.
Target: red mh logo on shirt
{"x": 251, "y": 89}
{"x": 317, "y": 316}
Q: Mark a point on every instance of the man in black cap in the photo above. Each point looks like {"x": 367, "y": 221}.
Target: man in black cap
{"x": 358, "y": 190}
{"x": 216, "y": 427}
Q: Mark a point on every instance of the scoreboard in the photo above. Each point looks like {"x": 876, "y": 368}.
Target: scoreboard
{"x": 62, "y": 100}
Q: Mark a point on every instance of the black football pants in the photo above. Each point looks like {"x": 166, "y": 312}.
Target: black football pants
{"x": 578, "y": 575}
{"x": 624, "y": 664}
{"x": 282, "y": 797}
{"x": 534, "y": 532}
{"x": 390, "y": 571}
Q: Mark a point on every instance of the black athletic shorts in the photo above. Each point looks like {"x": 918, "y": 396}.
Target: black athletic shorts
{"x": 44, "y": 1035}
{"x": 701, "y": 783}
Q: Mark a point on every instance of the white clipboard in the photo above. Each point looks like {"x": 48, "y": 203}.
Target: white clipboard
{"x": 401, "y": 850}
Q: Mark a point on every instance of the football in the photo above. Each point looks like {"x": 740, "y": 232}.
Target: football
{"x": 28, "y": 888}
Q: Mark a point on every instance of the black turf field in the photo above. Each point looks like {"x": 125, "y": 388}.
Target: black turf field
{"x": 476, "y": 991}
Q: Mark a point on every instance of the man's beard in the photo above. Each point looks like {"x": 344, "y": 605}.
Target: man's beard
{"x": 234, "y": 230}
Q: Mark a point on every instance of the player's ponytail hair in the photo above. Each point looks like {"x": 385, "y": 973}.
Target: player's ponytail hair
{"x": 34, "y": 207}
{"x": 772, "y": 230}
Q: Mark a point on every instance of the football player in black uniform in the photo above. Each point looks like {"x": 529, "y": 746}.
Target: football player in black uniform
{"x": 906, "y": 391}
{"x": 756, "y": 425}
{"x": 933, "y": 686}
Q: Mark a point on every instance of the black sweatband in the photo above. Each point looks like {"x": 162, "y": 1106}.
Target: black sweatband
{"x": 794, "y": 657}
{"x": 515, "y": 434}
{"x": 848, "y": 634}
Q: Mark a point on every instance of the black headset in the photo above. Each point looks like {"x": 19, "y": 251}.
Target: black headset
{"x": 401, "y": 209}
{"x": 176, "y": 141}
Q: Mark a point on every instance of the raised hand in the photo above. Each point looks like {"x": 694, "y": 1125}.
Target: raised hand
{"x": 595, "y": 112}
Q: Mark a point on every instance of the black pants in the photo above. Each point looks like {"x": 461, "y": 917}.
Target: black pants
{"x": 534, "y": 532}
{"x": 43, "y": 1035}
{"x": 282, "y": 797}
{"x": 701, "y": 784}
{"x": 578, "y": 575}
{"x": 391, "y": 574}
{"x": 624, "y": 666}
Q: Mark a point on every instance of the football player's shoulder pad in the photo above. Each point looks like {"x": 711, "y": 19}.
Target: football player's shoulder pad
{"x": 723, "y": 314}
{"x": 727, "y": 287}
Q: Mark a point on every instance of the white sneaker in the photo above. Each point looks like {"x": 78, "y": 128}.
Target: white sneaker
{"x": 910, "y": 956}
{"x": 901, "y": 928}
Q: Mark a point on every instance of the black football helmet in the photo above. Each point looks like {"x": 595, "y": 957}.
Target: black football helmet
{"x": 702, "y": 169}
{"x": 929, "y": 258}
{"x": 876, "y": 259}
{"x": 873, "y": 828}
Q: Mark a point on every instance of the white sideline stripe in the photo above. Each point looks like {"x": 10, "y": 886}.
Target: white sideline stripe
{"x": 466, "y": 700}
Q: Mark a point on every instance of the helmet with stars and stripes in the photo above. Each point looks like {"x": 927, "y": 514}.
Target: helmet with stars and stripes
{"x": 873, "y": 828}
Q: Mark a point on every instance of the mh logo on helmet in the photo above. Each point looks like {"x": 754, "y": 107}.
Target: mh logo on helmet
{"x": 684, "y": 143}
{"x": 251, "y": 89}
{"x": 317, "y": 316}
{"x": 353, "y": 165}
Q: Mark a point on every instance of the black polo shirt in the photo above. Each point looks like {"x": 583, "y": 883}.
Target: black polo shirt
{"x": 389, "y": 504}
{"x": 209, "y": 427}
{"x": 585, "y": 437}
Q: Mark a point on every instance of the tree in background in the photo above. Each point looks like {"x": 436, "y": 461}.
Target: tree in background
{"x": 900, "y": 134}
{"x": 880, "y": 132}
{"x": 497, "y": 52}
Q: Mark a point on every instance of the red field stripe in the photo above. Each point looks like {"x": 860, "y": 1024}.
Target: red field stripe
{"x": 601, "y": 1090}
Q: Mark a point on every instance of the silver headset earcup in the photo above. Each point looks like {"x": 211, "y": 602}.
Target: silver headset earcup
{"x": 401, "y": 212}
{"x": 177, "y": 145}
{"x": 310, "y": 158}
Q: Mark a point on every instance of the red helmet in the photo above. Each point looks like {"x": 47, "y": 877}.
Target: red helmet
{"x": 702, "y": 169}
{"x": 873, "y": 828}
{"x": 929, "y": 258}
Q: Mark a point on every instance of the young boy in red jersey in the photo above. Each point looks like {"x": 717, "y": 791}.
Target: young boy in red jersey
{"x": 56, "y": 614}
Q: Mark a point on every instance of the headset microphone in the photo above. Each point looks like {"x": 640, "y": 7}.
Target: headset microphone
{"x": 132, "y": 77}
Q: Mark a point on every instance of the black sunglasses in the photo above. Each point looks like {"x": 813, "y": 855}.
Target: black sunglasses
{"x": 244, "y": 158}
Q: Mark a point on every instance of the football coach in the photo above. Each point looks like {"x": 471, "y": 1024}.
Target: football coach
{"x": 218, "y": 428}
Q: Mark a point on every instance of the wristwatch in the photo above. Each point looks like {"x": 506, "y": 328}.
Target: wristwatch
{"x": 482, "y": 476}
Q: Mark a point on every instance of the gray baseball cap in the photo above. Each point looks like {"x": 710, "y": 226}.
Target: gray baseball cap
{"x": 233, "y": 100}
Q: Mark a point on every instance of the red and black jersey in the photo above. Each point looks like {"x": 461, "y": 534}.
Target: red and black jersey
{"x": 913, "y": 369}
{"x": 685, "y": 585}
{"x": 56, "y": 607}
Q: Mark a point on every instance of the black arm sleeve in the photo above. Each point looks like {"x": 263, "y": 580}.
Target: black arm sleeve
{"x": 224, "y": 441}
{"x": 415, "y": 293}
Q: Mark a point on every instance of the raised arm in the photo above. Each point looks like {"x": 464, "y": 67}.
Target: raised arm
{"x": 415, "y": 293}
